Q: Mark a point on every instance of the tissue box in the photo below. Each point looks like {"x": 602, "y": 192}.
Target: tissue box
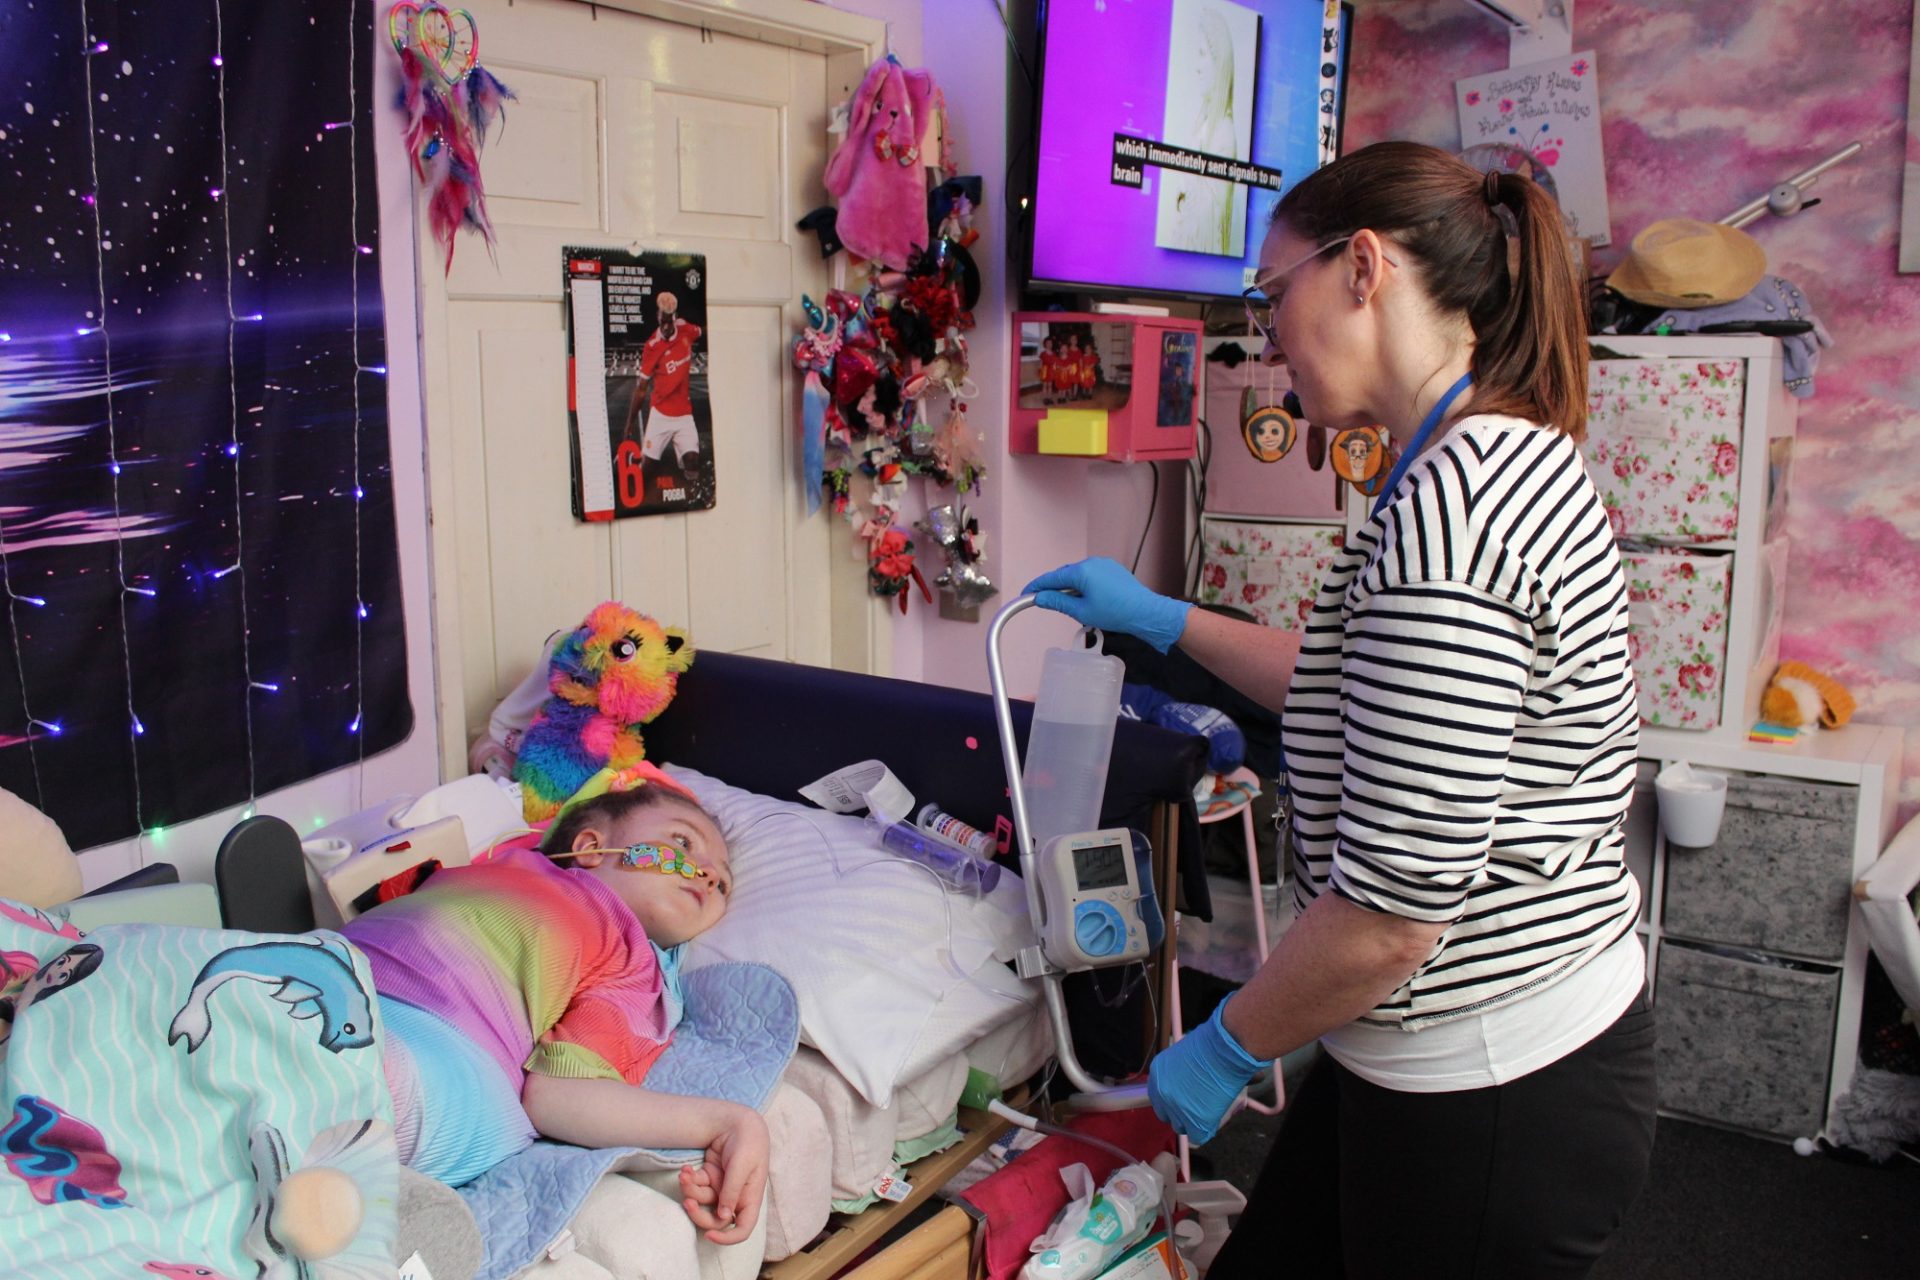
{"x": 1677, "y": 635}
{"x": 1272, "y": 571}
{"x": 1663, "y": 446}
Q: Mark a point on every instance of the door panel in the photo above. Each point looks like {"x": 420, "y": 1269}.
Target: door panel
{"x": 717, "y": 168}
{"x": 631, "y": 132}
{"x": 554, "y": 177}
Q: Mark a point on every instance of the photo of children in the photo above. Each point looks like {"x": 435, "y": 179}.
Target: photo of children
{"x": 658, "y": 420}
{"x": 1075, "y": 363}
{"x": 1211, "y": 65}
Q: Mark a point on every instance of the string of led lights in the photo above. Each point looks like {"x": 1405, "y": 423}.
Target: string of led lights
{"x": 359, "y": 251}
{"x": 238, "y": 569}
{"x": 14, "y": 600}
{"x": 135, "y": 729}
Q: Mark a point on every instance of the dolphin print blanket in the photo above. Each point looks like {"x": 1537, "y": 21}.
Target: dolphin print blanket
{"x": 167, "y": 1093}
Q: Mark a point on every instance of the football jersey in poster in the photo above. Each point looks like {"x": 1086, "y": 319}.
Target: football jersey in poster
{"x": 669, "y": 363}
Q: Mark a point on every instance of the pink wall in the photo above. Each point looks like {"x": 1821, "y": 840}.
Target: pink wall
{"x": 1037, "y": 512}
{"x": 1706, "y": 104}
{"x": 903, "y": 19}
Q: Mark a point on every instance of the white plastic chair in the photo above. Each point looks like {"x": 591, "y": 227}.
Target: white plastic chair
{"x": 1885, "y": 894}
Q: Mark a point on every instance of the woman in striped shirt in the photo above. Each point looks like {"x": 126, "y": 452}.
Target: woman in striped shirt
{"x": 1459, "y": 725}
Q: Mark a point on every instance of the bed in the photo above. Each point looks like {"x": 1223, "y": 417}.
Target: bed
{"x": 859, "y": 1105}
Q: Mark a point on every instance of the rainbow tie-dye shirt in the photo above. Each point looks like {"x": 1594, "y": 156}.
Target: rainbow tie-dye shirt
{"x": 541, "y": 967}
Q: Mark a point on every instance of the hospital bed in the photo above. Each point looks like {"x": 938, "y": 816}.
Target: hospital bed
{"x": 746, "y": 733}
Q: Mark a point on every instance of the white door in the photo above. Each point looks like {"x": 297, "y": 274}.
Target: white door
{"x": 632, "y": 131}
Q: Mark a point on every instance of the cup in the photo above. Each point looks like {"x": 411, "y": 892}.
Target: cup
{"x": 1691, "y": 804}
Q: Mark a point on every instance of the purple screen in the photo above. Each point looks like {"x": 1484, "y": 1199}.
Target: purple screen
{"x": 1236, "y": 78}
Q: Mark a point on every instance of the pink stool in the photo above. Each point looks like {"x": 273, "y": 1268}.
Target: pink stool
{"x": 1244, "y": 810}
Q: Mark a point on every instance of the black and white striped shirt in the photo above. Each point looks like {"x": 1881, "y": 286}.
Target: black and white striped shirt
{"x": 1461, "y": 728}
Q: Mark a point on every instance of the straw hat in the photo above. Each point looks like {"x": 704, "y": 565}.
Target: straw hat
{"x": 1681, "y": 263}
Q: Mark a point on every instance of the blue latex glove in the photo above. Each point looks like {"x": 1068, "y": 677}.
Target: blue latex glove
{"x": 1192, "y": 1083}
{"x": 1100, "y": 593}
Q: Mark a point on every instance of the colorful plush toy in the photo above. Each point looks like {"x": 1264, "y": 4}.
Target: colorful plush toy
{"x": 1801, "y": 698}
{"x": 878, "y": 176}
{"x": 617, "y": 671}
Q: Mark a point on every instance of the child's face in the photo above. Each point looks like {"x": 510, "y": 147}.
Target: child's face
{"x": 671, "y": 907}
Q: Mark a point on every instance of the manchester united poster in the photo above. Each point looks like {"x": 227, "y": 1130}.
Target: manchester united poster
{"x": 642, "y": 428}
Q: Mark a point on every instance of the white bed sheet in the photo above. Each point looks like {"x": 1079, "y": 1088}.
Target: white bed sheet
{"x": 862, "y": 1136}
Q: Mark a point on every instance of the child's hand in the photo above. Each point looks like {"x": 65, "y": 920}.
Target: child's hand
{"x": 722, "y": 1198}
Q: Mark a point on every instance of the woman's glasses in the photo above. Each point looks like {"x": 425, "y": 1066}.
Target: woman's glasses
{"x": 1260, "y": 307}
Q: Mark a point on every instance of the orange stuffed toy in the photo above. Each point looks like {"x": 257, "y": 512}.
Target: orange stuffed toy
{"x": 1801, "y": 698}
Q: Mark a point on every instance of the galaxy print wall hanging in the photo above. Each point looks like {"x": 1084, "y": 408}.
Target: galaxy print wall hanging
{"x": 199, "y": 581}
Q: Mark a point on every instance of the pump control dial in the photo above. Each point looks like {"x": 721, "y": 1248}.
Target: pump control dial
{"x": 1099, "y": 929}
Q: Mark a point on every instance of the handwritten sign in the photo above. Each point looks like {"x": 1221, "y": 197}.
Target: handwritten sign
{"x": 1551, "y": 111}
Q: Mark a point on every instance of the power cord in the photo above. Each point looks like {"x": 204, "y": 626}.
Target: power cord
{"x": 1153, "y": 469}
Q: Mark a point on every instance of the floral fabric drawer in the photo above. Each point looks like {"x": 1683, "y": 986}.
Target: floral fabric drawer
{"x": 1677, "y": 635}
{"x": 1272, "y": 571}
{"x": 1663, "y": 446}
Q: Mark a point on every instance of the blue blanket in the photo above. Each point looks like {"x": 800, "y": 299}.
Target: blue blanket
{"x": 163, "y": 1085}
{"x": 741, "y": 1027}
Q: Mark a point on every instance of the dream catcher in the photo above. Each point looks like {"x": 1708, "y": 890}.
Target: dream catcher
{"x": 450, "y": 102}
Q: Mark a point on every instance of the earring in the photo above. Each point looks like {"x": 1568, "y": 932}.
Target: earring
{"x": 1359, "y": 300}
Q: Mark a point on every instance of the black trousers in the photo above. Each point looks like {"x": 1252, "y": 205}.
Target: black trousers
{"x": 1525, "y": 1179}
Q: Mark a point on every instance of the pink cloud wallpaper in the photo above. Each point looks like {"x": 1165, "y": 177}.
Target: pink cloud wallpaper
{"x": 1704, "y": 105}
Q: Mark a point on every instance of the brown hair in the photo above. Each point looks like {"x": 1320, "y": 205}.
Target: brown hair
{"x": 1529, "y": 326}
{"x": 607, "y": 810}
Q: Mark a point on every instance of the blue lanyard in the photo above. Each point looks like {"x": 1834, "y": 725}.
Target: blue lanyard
{"x": 1419, "y": 441}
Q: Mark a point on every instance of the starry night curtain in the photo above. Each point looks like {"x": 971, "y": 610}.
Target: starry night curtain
{"x": 201, "y": 587}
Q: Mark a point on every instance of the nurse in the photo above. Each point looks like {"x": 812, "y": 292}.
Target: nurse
{"x": 1459, "y": 728}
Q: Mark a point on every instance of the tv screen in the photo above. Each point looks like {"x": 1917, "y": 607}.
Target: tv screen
{"x": 1167, "y": 131}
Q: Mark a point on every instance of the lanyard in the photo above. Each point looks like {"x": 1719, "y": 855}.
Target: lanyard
{"x": 1419, "y": 441}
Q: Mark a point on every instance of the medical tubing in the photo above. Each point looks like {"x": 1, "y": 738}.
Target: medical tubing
{"x": 1025, "y": 1121}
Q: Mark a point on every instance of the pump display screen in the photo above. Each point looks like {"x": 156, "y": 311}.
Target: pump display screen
{"x": 1103, "y": 866}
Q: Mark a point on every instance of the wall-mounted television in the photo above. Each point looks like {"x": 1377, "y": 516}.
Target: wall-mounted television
{"x": 1165, "y": 132}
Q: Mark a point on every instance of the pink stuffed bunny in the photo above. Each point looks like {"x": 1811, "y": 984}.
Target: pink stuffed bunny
{"x": 877, "y": 174}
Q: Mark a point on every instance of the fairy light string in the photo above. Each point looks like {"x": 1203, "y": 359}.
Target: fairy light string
{"x": 238, "y": 569}
{"x": 359, "y": 493}
{"x": 134, "y": 727}
{"x": 14, "y": 600}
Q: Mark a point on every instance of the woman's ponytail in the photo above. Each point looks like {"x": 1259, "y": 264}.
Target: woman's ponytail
{"x": 1530, "y": 352}
{"x": 1491, "y": 247}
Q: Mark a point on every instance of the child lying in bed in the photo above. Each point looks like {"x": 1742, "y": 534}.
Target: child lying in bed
{"x": 530, "y": 994}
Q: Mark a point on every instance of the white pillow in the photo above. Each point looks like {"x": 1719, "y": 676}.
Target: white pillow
{"x": 871, "y": 942}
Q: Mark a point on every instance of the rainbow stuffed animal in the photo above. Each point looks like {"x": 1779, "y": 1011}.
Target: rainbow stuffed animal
{"x": 617, "y": 671}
